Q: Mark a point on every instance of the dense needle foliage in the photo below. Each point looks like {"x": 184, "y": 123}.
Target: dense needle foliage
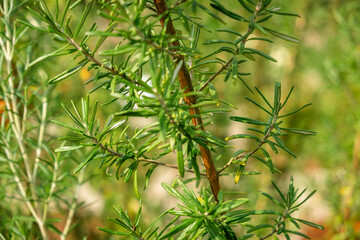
{"x": 148, "y": 58}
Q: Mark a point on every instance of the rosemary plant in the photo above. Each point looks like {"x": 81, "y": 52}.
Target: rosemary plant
{"x": 149, "y": 60}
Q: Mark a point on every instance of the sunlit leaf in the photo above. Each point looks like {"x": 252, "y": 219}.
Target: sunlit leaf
{"x": 68, "y": 148}
{"x": 67, "y": 73}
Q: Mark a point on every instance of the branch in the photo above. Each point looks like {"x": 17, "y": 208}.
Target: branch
{"x": 187, "y": 86}
{"x": 73, "y": 207}
{"x": 96, "y": 61}
{"x": 116, "y": 154}
{"x": 281, "y": 220}
{"x": 54, "y": 181}
{"x": 44, "y": 103}
{"x": 216, "y": 74}
{"x": 167, "y": 165}
{"x": 243, "y": 42}
{"x": 259, "y": 145}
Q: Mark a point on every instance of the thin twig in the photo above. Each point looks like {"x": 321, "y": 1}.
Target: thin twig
{"x": 40, "y": 136}
{"x": 116, "y": 154}
{"x": 259, "y": 145}
{"x": 281, "y": 220}
{"x": 96, "y": 61}
{"x": 168, "y": 165}
{"x": 54, "y": 181}
{"x": 178, "y": 3}
{"x": 109, "y": 150}
{"x": 243, "y": 42}
{"x": 73, "y": 208}
{"x": 224, "y": 67}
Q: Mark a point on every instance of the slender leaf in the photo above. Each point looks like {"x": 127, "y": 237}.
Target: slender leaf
{"x": 261, "y": 54}
{"x": 273, "y": 199}
{"x": 68, "y": 148}
{"x": 245, "y": 6}
{"x": 311, "y": 224}
{"x": 255, "y": 103}
{"x": 278, "y": 190}
{"x": 261, "y": 226}
{"x": 67, "y": 73}
{"x": 307, "y": 198}
{"x": 214, "y": 231}
{"x": 285, "y": 14}
{"x": 299, "y": 131}
{"x": 113, "y": 232}
{"x": 248, "y": 120}
{"x": 209, "y": 12}
{"x": 283, "y": 36}
{"x": 243, "y": 136}
{"x": 180, "y": 156}
{"x": 287, "y": 97}
{"x": 227, "y": 12}
{"x": 178, "y": 228}
{"x": 246, "y": 236}
{"x": 229, "y": 31}
{"x": 218, "y": 41}
{"x": 83, "y": 17}
{"x": 297, "y": 233}
{"x": 86, "y": 161}
{"x": 126, "y": 48}
{"x": 297, "y": 110}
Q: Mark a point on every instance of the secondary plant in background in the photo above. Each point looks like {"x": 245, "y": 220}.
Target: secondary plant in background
{"x": 32, "y": 182}
{"x": 155, "y": 71}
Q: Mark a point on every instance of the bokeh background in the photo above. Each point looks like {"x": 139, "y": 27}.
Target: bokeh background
{"x": 325, "y": 70}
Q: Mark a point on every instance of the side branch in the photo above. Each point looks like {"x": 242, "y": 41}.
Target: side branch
{"x": 96, "y": 61}
{"x": 259, "y": 145}
{"x": 187, "y": 86}
{"x": 116, "y": 154}
{"x": 251, "y": 28}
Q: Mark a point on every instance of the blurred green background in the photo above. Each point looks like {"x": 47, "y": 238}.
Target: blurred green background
{"x": 325, "y": 70}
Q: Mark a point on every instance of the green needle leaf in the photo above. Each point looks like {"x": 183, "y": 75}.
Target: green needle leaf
{"x": 67, "y": 73}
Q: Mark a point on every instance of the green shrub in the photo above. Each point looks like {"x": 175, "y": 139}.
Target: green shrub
{"x": 151, "y": 64}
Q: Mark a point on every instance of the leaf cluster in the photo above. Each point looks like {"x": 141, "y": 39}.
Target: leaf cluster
{"x": 158, "y": 74}
{"x": 267, "y": 132}
{"x": 202, "y": 217}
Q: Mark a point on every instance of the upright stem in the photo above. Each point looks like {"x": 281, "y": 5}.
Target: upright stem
{"x": 54, "y": 181}
{"x": 11, "y": 100}
{"x": 187, "y": 86}
{"x": 73, "y": 207}
{"x": 9, "y": 93}
{"x": 40, "y": 136}
{"x": 22, "y": 191}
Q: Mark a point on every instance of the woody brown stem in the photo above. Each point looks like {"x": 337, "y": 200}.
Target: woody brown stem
{"x": 186, "y": 85}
